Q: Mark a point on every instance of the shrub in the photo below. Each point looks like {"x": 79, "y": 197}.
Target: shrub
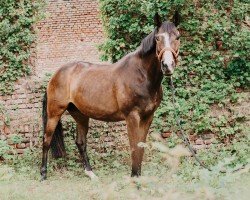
{"x": 17, "y": 33}
{"x": 214, "y": 56}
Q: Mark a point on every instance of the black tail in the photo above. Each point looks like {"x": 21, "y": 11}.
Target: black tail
{"x": 57, "y": 143}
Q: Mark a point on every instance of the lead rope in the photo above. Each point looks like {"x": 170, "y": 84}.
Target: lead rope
{"x": 183, "y": 135}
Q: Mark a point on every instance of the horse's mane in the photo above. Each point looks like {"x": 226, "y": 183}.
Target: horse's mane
{"x": 148, "y": 44}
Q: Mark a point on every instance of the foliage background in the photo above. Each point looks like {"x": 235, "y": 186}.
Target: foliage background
{"x": 17, "y": 33}
{"x": 214, "y": 65}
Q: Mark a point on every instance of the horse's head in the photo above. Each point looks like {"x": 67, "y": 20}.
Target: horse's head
{"x": 167, "y": 45}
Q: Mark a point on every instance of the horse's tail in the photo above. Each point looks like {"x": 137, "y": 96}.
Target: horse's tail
{"x": 57, "y": 142}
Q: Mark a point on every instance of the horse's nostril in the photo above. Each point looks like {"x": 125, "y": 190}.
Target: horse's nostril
{"x": 164, "y": 64}
{"x": 167, "y": 70}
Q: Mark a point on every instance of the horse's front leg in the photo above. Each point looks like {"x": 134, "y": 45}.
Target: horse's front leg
{"x": 137, "y": 132}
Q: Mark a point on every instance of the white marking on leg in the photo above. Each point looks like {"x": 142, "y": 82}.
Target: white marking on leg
{"x": 91, "y": 175}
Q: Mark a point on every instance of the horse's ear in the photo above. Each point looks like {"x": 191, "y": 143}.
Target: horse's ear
{"x": 157, "y": 20}
{"x": 176, "y": 18}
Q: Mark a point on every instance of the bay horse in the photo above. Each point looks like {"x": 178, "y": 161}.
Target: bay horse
{"x": 129, "y": 90}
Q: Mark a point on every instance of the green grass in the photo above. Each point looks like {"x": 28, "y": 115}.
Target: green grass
{"x": 120, "y": 186}
{"x": 167, "y": 174}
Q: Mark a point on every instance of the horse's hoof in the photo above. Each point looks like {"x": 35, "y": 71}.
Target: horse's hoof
{"x": 91, "y": 175}
{"x": 43, "y": 178}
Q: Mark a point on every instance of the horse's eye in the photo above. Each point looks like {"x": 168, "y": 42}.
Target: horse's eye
{"x": 157, "y": 38}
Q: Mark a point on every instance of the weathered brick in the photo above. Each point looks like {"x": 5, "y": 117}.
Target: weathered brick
{"x": 21, "y": 146}
{"x": 199, "y": 141}
{"x": 25, "y": 140}
{"x": 20, "y": 151}
{"x": 3, "y": 137}
{"x": 198, "y": 147}
{"x": 208, "y": 141}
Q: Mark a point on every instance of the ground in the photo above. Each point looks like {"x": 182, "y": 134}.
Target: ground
{"x": 167, "y": 174}
{"x": 118, "y": 186}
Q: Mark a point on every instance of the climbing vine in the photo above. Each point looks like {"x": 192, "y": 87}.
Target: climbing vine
{"x": 17, "y": 33}
{"x": 214, "y": 64}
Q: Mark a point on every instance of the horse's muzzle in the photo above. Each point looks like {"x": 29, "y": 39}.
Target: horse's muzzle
{"x": 166, "y": 70}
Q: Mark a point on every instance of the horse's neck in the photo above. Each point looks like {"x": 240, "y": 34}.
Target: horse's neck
{"x": 154, "y": 73}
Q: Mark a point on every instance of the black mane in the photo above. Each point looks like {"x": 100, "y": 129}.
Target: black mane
{"x": 148, "y": 44}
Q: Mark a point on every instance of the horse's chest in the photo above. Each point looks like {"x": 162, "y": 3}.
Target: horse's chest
{"x": 140, "y": 99}
{"x": 151, "y": 104}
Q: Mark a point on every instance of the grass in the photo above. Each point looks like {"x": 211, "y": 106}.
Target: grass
{"x": 120, "y": 186}
{"x": 167, "y": 174}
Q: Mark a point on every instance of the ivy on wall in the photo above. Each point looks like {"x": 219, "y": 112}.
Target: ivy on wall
{"x": 126, "y": 23}
{"x": 214, "y": 61}
{"x": 17, "y": 33}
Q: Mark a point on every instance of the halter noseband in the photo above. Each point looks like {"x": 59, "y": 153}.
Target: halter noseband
{"x": 175, "y": 54}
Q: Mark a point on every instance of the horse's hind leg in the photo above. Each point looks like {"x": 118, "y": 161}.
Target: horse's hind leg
{"x": 81, "y": 143}
{"x": 51, "y": 120}
{"x": 48, "y": 134}
{"x": 81, "y": 138}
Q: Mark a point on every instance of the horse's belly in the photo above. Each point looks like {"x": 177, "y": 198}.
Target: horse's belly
{"x": 100, "y": 113}
{"x": 100, "y": 106}
{"x": 109, "y": 118}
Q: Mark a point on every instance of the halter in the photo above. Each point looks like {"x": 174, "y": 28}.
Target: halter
{"x": 175, "y": 54}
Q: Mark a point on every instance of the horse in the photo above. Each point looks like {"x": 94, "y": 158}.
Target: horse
{"x": 129, "y": 90}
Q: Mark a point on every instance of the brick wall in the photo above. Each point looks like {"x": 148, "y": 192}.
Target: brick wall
{"x": 21, "y": 114}
{"x": 71, "y": 31}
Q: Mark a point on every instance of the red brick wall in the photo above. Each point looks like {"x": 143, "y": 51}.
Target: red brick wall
{"x": 20, "y": 114}
{"x": 71, "y": 31}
